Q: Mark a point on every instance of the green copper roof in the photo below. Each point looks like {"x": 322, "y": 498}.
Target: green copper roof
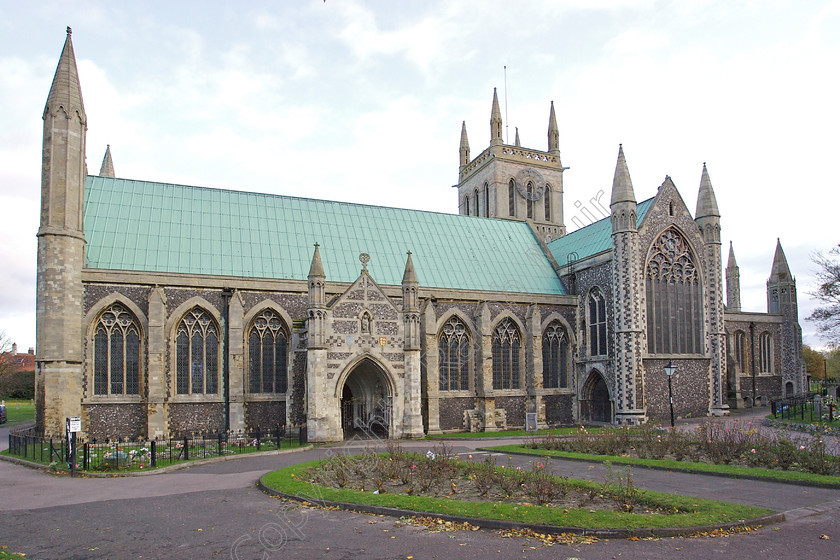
{"x": 156, "y": 227}
{"x": 590, "y": 240}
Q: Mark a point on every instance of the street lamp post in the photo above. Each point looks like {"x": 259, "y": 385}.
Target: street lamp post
{"x": 669, "y": 371}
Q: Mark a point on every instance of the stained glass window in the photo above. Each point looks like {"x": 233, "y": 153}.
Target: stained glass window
{"x": 765, "y": 343}
{"x": 597, "y": 323}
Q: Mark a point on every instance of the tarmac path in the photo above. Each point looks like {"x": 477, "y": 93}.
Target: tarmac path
{"x": 215, "y": 511}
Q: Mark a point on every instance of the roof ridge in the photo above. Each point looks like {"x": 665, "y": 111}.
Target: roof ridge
{"x": 289, "y": 196}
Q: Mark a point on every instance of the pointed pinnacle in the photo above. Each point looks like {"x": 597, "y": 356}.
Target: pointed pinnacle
{"x": 731, "y": 263}
{"x": 516, "y": 142}
{"x": 781, "y": 270}
{"x": 495, "y": 120}
{"x": 316, "y": 269}
{"x": 65, "y": 91}
{"x": 107, "y": 169}
{"x": 622, "y": 189}
{"x": 553, "y": 131}
{"x": 409, "y": 277}
{"x": 706, "y": 201}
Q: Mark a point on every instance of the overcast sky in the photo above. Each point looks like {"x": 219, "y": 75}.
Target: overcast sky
{"x": 363, "y": 102}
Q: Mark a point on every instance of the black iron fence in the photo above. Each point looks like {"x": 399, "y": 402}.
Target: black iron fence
{"x": 805, "y": 408}
{"x": 143, "y": 454}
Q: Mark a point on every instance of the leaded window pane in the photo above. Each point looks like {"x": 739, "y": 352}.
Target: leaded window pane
{"x": 674, "y": 297}
{"x": 182, "y": 349}
{"x": 268, "y": 363}
{"x": 117, "y": 363}
{"x": 100, "y": 362}
{"x": 280, "y": 372}
{"x": 197, "y": 363}
{"x": 132, "y": 363}
{"x": 212, "y": 370}
{"x": 254, "y": 362}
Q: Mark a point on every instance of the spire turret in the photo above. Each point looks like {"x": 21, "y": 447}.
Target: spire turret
{"x": 107, "y": 169}
{"x": 553, "y": 131}
{"x": 465, "y": 145}
{"x": 622, "y": 189}
{"x": 781, "y": 270}
{"x": 706, "y": 201}
{"x": 317, "y": 281}
{"x": 409, "y": 276}
{"x": 65, "y": 92}
{"x": 733, "y": 282}
{"x": 316, "y": 268}
{"x": 495, "y": 122}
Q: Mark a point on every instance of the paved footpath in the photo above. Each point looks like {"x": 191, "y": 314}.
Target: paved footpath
{"x": 214, "y": 511}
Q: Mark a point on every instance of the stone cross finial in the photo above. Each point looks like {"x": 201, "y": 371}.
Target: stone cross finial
{"x": 364, "y": 258}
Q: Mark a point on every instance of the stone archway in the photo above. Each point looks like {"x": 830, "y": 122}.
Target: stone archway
{"x": 595, "y": 404}
{"x": 366, "y": 399}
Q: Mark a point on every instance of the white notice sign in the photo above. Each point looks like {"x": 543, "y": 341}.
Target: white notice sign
{"x": 75, "y": 424}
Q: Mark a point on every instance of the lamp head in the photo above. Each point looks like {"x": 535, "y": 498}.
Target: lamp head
{"x": 670, "y": 369}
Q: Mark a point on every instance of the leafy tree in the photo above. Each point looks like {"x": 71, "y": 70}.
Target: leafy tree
{"x": 827, "y": 317}
{"x": 814, "y": 363}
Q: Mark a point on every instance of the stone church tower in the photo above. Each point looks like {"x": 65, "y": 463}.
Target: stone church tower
{"x": 628, "y": 296}
{"x": 513, "y": 182}
{"x": 61, "y": 250}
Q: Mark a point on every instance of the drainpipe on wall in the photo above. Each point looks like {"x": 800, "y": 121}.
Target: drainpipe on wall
{"x": 226, "y": 295}
{"x": 752, "y": 358}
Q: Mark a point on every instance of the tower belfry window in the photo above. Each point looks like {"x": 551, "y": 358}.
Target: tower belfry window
{"x": 486, "y": 200}
{"x": 511, "y": 198}
{"x": 547, "y": 196}
{"x": 530, "y": 204}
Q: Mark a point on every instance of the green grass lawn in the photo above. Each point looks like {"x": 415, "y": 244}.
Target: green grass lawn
{"x": 809, "y": 417}
{"x": 5, "y": 555}
{"x": 19, "y": 412}
{"x": 697, "y": 511}
{"x": 687, "y": 466}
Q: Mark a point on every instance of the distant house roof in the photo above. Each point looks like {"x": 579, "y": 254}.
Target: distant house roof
{"x": 590, "y": 240}
{"x": 19, "y": 362}
{"x": 166, "y": 228}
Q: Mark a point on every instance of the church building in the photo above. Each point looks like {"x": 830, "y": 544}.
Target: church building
{"x": 166, "y": 309}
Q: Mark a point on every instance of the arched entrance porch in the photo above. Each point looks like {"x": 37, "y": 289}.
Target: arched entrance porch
{"x": 595, "y": 404}
{"x": 366, "y": 401}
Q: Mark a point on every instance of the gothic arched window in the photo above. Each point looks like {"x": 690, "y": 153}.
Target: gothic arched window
{"x": 197, "y": 353}
{"x": 466, "y": 205}
{"x": 506, "y": 345}
{"x": 116, "y": 353}
{"x": 597, "y": 323}
{"x": 486, "y": 200}
{"x": 765, "y": 350}
{"x": 268, "y": 354}
{"x": 555, "y": 348}
{"x": 547, "y": 203}
{"x": 454, "y": 356}
{"x": 674, "y": 297}
{"x": 741, "y": 351}
{"x": 511, "y": 198}
{"x": 477, "y": 210}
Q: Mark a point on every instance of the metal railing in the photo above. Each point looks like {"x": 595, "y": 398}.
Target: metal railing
{"x": 143, "y": 454}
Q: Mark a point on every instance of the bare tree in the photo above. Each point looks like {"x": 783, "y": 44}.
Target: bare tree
{"x": 7, "y": 364}
{"x": 827, "y": 317}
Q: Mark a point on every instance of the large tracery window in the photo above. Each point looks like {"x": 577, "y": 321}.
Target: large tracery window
{"x": 674, "y": 297}
{"x": 506, "y": 345}
{"x": 268, "y": 354}
{"x": 555, "y": 348}
{"x": 116, "y": 353}
{"x": 597, "y": 323}
{"x": 765, "y": 347}
{"x": 197, "y": 353}
{"x": 454, "y": 356}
